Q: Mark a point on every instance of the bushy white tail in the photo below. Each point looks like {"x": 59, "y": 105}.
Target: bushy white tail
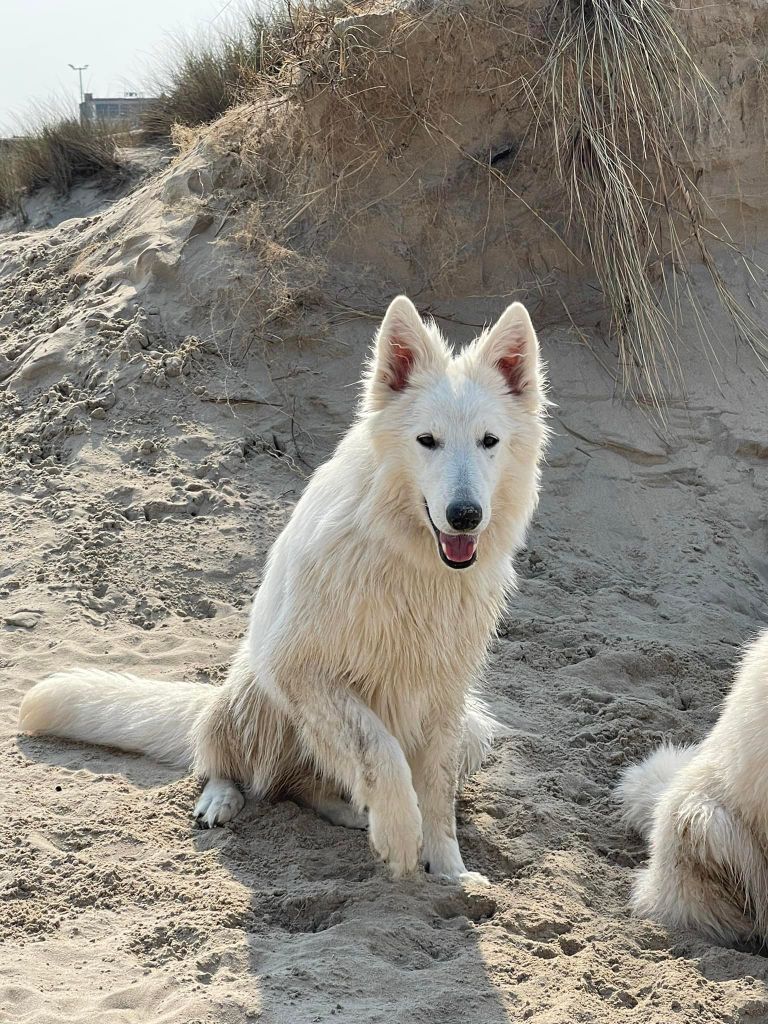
{"x": 642, "y": 785}
{"x": 118, "y": 710}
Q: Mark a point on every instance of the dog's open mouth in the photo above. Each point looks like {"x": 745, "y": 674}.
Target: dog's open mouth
{"x": 457, "y": 550}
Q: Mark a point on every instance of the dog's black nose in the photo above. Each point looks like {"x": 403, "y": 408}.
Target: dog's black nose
{"x": 463, "y": 515}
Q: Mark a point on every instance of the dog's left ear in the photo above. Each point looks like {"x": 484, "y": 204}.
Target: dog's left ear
{"x": 404, "y": 345}
{"x": 512, "y": 348}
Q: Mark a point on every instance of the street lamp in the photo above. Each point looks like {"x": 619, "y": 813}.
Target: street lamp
{"x": 80, "y": 71}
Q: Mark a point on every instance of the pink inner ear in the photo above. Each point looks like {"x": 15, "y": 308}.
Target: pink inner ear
{"x": 512, "y": 368}
{"x": 401, "y": 364}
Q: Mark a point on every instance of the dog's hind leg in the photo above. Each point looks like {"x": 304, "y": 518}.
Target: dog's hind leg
{"x": 220, "y": 763}
{"x": 326, "y": 801}
{"x": 242, "y": 740}
{"x": 219, "y": 801}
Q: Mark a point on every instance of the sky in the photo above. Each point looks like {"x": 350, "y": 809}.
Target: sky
{"x": 120, "y": 41}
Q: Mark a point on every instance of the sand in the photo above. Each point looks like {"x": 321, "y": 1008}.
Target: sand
{"x": 645, "y": 571}
{"x": 155, "y": 433}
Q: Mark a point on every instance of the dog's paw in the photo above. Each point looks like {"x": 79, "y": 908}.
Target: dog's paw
{"x": 473, "y": 878}
{"x": 397, "y": 840}
{"x": 441, "y": 856}
{"x": 340, "y": 812}
{"x": 463, "y": 878}
{"x": 220, "y": 801}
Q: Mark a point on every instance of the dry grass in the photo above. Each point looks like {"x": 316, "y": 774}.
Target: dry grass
{"x": 207, "y": 75}
{"x": 56, "y": 154}
{"x": 621, "y": 94}
{"x": 612, "y": 96}
{"x": 361, "y": 136}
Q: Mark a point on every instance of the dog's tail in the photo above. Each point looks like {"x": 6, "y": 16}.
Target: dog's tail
{"x": 642, "y": 785}
{"x": 118, "y": 710}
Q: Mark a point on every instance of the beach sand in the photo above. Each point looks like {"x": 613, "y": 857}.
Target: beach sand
{"x": 147, "y": 465}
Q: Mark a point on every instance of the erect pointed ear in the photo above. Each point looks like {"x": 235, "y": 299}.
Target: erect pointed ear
{"x": 512, "y": 348}
{"x": 403, "y": 345}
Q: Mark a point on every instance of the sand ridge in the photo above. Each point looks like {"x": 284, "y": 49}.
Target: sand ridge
{"x": 159, "y": 417}
{"x": 137, "y": 544}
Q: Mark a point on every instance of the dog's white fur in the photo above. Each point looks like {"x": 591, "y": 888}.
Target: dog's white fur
{"x": 705, "y": 811}
{"x": 356, "y": 675}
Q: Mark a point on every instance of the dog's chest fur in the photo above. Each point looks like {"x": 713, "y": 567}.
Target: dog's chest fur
{"x": 356, "y": 596}
{"x": 409, "y": 643}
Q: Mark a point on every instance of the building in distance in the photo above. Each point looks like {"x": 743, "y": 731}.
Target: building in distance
{"x": 123, "y": 110}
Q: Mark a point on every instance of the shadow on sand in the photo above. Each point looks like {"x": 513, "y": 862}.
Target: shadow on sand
{"x": 332, "y": 938}
{"x": 294, "y": 920}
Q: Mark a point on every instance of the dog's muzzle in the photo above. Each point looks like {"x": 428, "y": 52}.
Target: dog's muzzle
{"x": 457, "y": 550}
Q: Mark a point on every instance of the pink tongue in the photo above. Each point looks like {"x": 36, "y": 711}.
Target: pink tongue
{"x": 458, "y": 547}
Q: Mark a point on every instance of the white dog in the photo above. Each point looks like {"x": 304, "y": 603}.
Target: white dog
{"x": 371, "y": 627}
{"x": 705, "y": 810}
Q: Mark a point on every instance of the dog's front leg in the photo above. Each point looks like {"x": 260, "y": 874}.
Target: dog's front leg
{"x": 435, "y": 776}
{"x": 350, "y": 745}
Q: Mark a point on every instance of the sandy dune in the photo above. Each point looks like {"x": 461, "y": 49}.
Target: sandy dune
{"x": 156, "y": 429}
{"x": 645, "y": 571}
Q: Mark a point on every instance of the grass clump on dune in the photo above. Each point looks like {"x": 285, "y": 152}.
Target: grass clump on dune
{"x": 622, "y": 95}
{"x": 207, "y": 75}
{"x": 55, "y": 154}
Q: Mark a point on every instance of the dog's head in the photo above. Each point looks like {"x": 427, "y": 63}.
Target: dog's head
{"x": 464, "y": 431}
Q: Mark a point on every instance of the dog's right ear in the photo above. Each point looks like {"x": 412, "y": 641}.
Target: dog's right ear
{"x": 511, "y": 347}
{"x": 404, "y": 344}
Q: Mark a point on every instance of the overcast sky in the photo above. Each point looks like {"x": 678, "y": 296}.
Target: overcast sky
{"x": 120, "y": 41}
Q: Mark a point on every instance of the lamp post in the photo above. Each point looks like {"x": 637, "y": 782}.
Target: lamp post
{"x": 80, "y": 71}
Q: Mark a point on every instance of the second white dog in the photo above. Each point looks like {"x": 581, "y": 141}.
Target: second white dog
{"x": 704, "y": 810}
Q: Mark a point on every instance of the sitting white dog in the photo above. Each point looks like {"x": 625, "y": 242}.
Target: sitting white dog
{"x": 354, "y": 686}
{"x": 704, "y": 810}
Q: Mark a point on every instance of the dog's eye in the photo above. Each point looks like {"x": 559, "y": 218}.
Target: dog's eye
{"x": 427, "y": 441}
{"x": 489, "y": 441}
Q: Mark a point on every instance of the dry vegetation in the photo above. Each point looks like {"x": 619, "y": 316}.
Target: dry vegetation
{"x": 621, "y": 96}
{"x": 611, "y": 98}
{"x": 55, "y": 154}
{"x": 348, "y": 110}
{"x": 206, "y": 76}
